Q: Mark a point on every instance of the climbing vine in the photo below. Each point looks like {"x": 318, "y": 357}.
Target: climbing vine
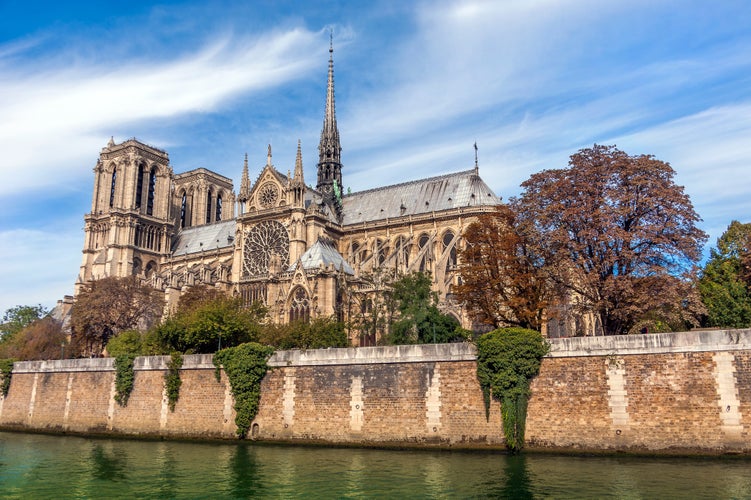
{"x": 172, "y": 381}
{"x": 124, "y": 377}
{"x": 245, "y": 366}
{"x": 507, "y": 360}
{"x": 6, "y": 372}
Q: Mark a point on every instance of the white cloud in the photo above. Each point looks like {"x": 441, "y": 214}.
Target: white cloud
{"x": 56, "y": 117}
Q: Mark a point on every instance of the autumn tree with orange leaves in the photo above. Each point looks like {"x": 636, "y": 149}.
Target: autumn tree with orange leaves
{"x": 501, "y": 283}
{"x": 616, "y": 232}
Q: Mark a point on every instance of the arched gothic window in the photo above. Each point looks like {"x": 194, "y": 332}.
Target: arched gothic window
{"x": 139, "y": 186}
{"x": 299, "y": 308}
{"x": 152, "y": 188}
{"x": 112, "y": 188}
{"x": 183, "y": 209}
{"x": 218, "y": 208}
{"x": 208, "y": 207}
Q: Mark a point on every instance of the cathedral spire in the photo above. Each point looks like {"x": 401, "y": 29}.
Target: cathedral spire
{"x": 244, "y": 183}
{"x": 298, "y": 165}
{"x": 330, "y": 149}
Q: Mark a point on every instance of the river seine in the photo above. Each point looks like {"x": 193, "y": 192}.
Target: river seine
{"x": 39, "y": 467}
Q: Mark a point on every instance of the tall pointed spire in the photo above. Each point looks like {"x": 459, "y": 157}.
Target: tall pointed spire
{"x": 298, "y": 165}
{"x": 330, "y": 149}
{"x": 244, "y": 183}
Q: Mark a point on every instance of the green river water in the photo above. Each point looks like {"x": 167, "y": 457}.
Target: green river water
{"x": 39, "y": 467}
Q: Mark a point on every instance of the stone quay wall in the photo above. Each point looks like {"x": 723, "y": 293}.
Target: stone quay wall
{"x": 662, "y": 393}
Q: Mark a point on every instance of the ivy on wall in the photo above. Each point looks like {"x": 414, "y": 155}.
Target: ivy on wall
{"x": 172, "y": 381}
{"x": 6, "y": 372}
{"x": 245, "y": 366}
{"x": 507, "y": 360}
{"x": 124, "y": 377}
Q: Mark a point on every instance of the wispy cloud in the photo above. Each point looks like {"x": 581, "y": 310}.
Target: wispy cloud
{"x": 65, "y": 111}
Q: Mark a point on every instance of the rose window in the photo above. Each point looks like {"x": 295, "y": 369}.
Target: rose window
{"x": 263, "y": 243}
{"x": 268, "y": 195}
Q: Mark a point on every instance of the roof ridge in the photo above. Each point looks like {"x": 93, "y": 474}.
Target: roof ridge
{"x": 415, "y": 181}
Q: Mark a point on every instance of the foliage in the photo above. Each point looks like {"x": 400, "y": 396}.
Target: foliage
{"x": 417, "y": 319}
{"x": 127, "y": 342}
{"x": 124, "y": 377}
{"x": 136, "y": 343}
{"x": 724, "y": 288}
{"x": 172, "y": 381}
{"x": 42, "y": 339}
{"x": 319, "y": 333}
{"x": 6, "y": 373}
{"x": 245, "y": 366}
{"x": 617, "y": 234}
{"x": 17, "y": 318}
{"x": 507, "y": 360}
{"x": 209, "y": 325}
{"x": 502, "y": 283}
{"x": 108, "y": 306}
{"x": 196, "y": 296}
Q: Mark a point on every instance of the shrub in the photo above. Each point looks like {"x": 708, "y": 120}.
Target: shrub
{"x": 507, "y": 360}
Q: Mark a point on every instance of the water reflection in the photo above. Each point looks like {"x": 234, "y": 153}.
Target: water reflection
{"x": 108, "y": 465}
{"x": 33, "y": 466}
{"x": 244, "y": 473}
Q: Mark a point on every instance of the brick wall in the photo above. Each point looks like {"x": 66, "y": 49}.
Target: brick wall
{"x": 675, "y": 393}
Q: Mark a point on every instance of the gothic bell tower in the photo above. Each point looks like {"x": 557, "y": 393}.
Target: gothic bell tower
{"x": 329, "y": 149}
{"x": 129, "y": 228}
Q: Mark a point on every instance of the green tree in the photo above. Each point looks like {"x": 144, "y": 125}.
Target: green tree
{"x": 723, "y": 287}
{"x": 315, "y": 334}
{"x": 17, "y": 318}
{"x": 211, "y": 325}
{"x": 418, "y": 320}
{"x": 617, "y": 233}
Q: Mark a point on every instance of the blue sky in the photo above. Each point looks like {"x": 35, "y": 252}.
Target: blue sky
{"x": 417, "y": 83}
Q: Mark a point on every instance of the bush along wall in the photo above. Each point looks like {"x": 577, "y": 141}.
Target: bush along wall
{"x": 6, "y": 372}
{"x": 507, "y": 360}
{"x": 172, "y": 381}
{"x": 124, "y": 377}
{"x": 245, "y": 366}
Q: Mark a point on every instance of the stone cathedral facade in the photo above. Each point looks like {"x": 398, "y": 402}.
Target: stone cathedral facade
{"x": 303, "y": 252}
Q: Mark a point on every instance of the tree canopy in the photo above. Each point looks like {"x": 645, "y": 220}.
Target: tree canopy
{"x": 501, "y": 282}
{"x": 105, "y": 307}
{"x": 17, "y": 318}
{"x": 615, "y": 232}
{"x": 724, "y": 283}
{"x": 418, "y": 320}
{"x": 210, "y": 323}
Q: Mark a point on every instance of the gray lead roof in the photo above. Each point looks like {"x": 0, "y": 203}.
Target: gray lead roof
{"x": 208, "y": 237}
{"x": 434, "y": 194}
{"x": 323, "y": 254}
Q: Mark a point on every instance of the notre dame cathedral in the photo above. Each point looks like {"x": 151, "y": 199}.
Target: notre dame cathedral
{"x": 303, "y": 252}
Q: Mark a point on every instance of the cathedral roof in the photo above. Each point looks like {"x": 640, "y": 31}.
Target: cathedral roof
{"x": 207, "y": 237}
{"x": 323, "y": 254}
{"x": 434, "y": 194}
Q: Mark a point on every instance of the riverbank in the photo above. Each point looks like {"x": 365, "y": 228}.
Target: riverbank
{"x": 673, "y": 394}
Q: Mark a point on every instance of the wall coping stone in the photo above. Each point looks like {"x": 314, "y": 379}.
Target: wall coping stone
{"x": 653, "y": 343}
{"x": 420, "y": 353}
